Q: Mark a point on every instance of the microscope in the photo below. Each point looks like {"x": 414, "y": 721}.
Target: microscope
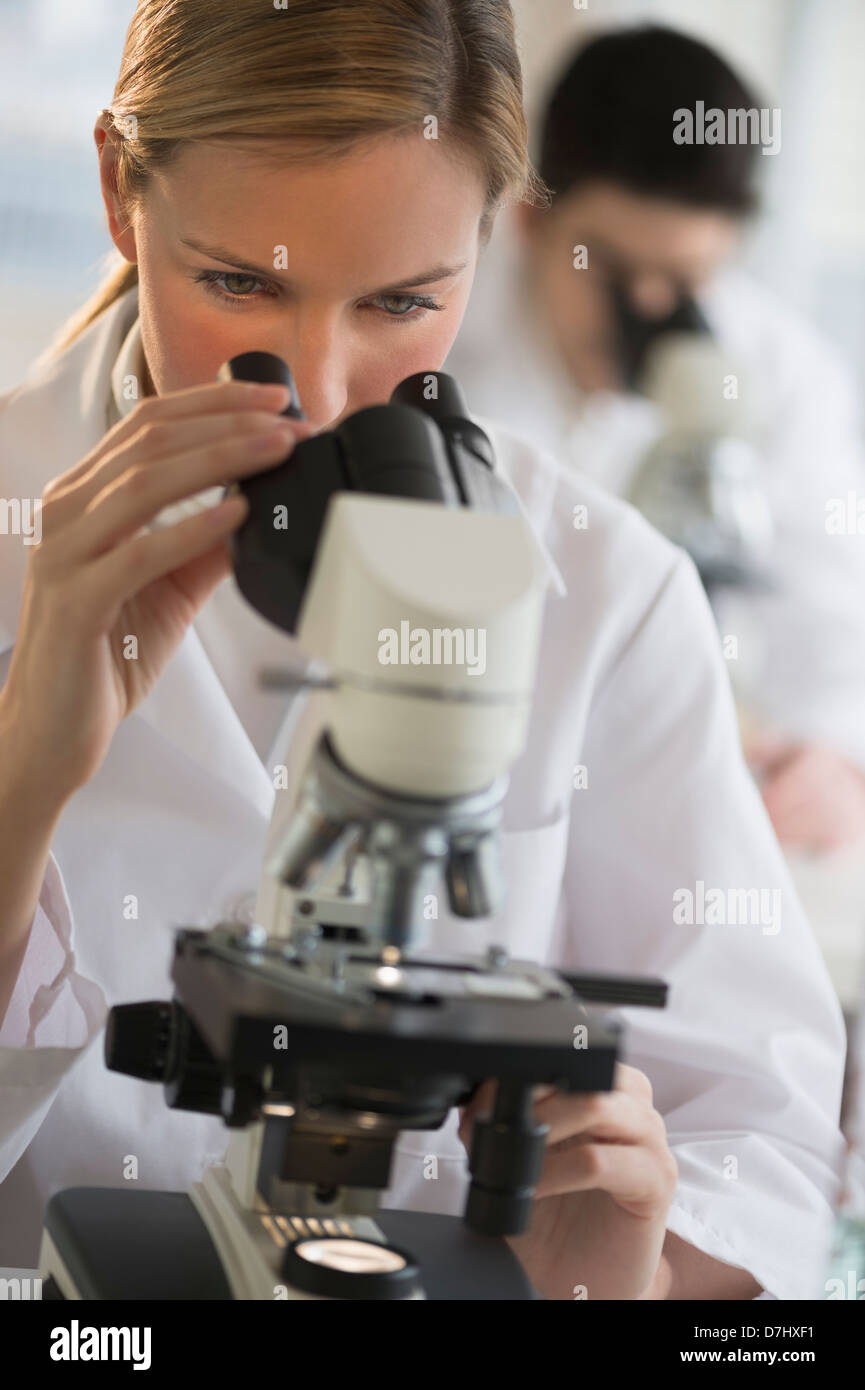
{"x": 699, "y": 482}
{"x": 400, "y": 558}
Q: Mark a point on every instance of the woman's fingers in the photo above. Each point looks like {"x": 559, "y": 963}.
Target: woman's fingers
{"x": 633, "y": 1081}
{"x": 633, "y": 1175}
{"x": 612, "y": 1116}
{"x": 623, "y": 1115}
{"x": 145, "y": 487}
{"x": 484, "y": 1099}
{"x": 198, "y": 577}
{"x": 215, "y": 396}
{"x": 201, "y": 407}
{"x": 627, "y": 1079}
{"x": 213, "y": 399}
{"x": 155, "y": 442}
{"x": 115, "y": 577}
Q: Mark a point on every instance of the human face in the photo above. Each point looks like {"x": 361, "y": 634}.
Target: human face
{"x": 380, "y": 249}
{"x": 656, "y": 250}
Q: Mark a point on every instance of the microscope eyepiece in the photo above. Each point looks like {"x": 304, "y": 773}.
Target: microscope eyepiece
{"x": 267, "y": 368}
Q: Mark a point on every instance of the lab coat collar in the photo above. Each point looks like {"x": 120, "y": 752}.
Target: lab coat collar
{"x": 128, "y": 373}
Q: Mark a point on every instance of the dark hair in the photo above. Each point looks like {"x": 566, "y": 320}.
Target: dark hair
{"x": 610, "y": 117}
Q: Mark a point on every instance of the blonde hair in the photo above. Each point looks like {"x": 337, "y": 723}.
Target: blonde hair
{"x": 322, "y": 74}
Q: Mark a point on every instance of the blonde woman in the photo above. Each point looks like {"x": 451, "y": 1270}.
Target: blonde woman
{"x": 318, "y": 181}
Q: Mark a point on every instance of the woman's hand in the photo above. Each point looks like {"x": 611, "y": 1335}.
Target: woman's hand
{"x": 97, "y": 578}
{"x": 815, "y": 797}
{"x": 600, "y": 1209}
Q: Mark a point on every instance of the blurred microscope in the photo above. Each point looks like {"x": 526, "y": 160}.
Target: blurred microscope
{"x": 699, "y": 483}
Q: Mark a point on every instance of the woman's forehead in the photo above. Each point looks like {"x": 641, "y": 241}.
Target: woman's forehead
{"x": 384, "y": 204}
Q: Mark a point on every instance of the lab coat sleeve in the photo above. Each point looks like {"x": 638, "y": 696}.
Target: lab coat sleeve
{"x": 54, "y": 1015}
{"x": 746, "y": 1061}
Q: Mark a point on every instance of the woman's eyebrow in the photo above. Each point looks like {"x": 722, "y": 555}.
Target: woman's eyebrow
{"x": 427, "y": 277}
{"x": 219, "y": 253}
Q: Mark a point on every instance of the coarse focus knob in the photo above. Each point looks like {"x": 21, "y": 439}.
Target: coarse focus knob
{"x": 138, "y": 1039}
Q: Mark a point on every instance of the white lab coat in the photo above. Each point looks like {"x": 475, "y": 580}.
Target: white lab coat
{"x": 746, "y": 1061}
{"x": 800, "y": 664}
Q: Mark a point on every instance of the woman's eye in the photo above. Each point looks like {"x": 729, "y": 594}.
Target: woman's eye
{"x": 230, "y": 285}
{"x": 405, "y": 303}
{"x": 242, "y": 288}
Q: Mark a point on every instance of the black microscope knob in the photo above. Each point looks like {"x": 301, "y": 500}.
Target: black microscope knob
{"x": 138, "y": 1039}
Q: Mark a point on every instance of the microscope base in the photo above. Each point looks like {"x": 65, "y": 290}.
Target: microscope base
{"x": 111, "y": 1243}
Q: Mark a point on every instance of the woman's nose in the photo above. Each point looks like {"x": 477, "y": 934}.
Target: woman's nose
{"x": 322, "y": 400}
{"x": 653, "y": 295}
{"x": 320, "y": 375}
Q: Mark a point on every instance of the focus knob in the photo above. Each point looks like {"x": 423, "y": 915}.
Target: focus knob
{"x": 138, "y": 1039}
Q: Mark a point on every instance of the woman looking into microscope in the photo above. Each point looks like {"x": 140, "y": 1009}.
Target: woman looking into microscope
{"x": 307, "y": 128}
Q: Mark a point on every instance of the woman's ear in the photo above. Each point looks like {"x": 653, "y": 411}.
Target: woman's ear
{"x": 120, "y": 227}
